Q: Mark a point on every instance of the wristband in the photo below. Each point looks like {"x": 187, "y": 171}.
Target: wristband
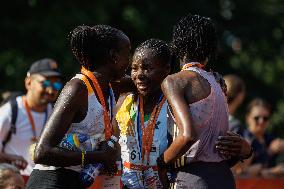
{"x": 83, "y": 158}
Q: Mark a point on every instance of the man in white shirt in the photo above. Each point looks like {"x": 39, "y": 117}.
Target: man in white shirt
{"x": 43, "y": 83}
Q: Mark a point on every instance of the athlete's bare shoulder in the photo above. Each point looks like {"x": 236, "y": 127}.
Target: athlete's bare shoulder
{"x": 179, "y": 81}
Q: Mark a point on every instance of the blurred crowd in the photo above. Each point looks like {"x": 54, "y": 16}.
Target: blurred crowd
{"x": 23, "y": 116}
{"x": 267, "y": 148}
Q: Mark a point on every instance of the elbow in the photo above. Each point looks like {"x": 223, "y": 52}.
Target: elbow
{"x": 39, "y": 154}
{"x": 190, "y": 138}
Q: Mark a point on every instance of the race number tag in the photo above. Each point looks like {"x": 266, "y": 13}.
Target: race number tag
{"x": 129, "y": 150}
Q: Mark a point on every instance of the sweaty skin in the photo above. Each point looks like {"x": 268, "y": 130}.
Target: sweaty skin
{"x": 71, "y": 107}
{"x": 182, "y": 89}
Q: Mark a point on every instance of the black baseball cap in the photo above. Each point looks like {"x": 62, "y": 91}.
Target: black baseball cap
{"x": 46, "y": 67}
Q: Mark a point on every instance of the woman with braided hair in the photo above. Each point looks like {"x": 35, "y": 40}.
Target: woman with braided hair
{"x": 200, "y": 111}
{"x": 84, "y": 108}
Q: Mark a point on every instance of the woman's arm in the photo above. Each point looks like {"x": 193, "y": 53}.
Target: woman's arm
{"x": 174, "y": 90}
{"x": 71, "y": 106}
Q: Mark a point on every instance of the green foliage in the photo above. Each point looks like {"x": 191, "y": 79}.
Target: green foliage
{"x": 250, "y": 35}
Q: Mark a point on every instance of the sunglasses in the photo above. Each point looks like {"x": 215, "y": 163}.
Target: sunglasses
{"x": 257, "y": 118}
{"x": 56, "y": 85}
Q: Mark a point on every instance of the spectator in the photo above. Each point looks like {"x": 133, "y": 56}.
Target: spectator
{"x": 23, "y": 117}
{"x": 266, "y": 147}
{"x": 10, "y": 177}
{"x": 235, "y": 94}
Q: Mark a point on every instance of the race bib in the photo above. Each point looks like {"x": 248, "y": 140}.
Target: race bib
{"x": 129, "y": 150}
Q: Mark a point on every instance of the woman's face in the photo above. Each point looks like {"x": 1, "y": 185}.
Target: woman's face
{"x": 148, "y": 72}
{"x": 258, "y": 119}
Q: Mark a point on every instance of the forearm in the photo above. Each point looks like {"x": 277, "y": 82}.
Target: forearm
{"x": 179, "y": 146}
{"x": 60, "y": 157}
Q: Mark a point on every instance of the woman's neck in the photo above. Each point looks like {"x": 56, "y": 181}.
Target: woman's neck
{"x": 151, "y": 100}
{"x": 103, "y": 76}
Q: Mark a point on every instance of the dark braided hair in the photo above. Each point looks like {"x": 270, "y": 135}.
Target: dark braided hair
{"x": 91, "y": 45}
{"x": 194, "y": 37}
{"x": 157, "y": 48}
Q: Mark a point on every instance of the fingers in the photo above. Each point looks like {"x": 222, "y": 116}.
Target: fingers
{"x": 233, "y": 138}
{"x": 228, "y": 147}
{"x": 230, "y": 133}
{"x": 20, "y": 163}
{"x": 228, "y": 153}
{"x": 229, "y": 143}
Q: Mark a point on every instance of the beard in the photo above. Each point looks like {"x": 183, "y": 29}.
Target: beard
{"x": 47, "y": 98}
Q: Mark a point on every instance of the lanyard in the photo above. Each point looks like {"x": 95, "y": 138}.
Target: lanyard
{"x": 192, "y": 64}
{"x": 31, "y": 119}
{"x": 107, "y": 123}
{"x": 148, "y": 131}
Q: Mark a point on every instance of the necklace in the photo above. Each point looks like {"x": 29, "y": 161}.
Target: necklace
{"x": 107, "y": 123}
{"x": 148, "y": 131}
{"x": 192, "y": 64}
{"x": 31, "y": 120}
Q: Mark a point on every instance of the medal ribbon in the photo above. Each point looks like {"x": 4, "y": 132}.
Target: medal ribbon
{"x": 107, "y": 122}
{"x": 148, "y": 132}
{"x": 31, "y": 120}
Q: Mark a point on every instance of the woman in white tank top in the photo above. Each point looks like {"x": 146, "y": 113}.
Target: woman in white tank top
{"x": 83, "y": 108}
{"x": 200, "y": 110}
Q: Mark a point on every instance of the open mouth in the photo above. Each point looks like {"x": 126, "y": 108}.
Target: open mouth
{"x": 142, "y": 86}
